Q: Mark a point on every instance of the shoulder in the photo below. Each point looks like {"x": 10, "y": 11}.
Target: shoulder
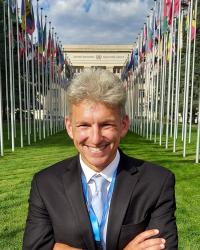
{"x": 58, "y": 169}
{"x": 146, "y": 169}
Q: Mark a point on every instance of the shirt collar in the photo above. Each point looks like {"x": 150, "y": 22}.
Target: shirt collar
{"x": 107, "y": 172}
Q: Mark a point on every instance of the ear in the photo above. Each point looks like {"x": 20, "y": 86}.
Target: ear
{"x": 125, "y": 125}
{"x": 68, "y": 126}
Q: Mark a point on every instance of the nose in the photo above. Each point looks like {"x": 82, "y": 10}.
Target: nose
{"x": 96, "y": 135}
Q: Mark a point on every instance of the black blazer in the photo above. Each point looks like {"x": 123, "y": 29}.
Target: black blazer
{"x": 143, "y": 198}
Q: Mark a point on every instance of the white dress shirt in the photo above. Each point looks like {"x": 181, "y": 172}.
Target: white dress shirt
{"x": 107, "y": 173}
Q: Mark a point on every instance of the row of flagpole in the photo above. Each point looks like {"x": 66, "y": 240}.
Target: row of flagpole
{"x": 160, "y": 75}
{"x": 33, "y": 77}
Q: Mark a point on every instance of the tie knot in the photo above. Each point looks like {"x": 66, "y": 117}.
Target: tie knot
{"x": 100, "y": 182}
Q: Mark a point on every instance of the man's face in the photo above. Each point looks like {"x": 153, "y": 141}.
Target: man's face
{"x": 96, "y": 130}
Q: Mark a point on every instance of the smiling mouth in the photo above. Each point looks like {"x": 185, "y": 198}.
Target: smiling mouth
{"x": 96, "y": 149}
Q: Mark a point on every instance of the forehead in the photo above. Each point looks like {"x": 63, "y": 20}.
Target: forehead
{"x": 89, "y": 108}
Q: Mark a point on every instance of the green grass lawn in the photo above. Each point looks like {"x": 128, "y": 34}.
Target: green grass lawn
{"x": 17, "y": 169}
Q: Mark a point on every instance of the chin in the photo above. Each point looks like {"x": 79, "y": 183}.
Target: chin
{"x": 99, "y": 164}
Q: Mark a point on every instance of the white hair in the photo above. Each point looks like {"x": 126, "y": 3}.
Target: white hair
{"x": 98, "y": 86}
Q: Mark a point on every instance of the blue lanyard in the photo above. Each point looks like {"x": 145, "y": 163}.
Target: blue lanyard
{"x": 97, "y": 229}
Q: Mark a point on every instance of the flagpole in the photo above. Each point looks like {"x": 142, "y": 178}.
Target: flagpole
{"x": 141, "y": 83}
{"x": 13, "y": 77}
{"x": 50, "y": 79}
{"x": 46, "y": 78}
{"x": 188, "y": 80}
{"x": 59, "y": 80}
{"x": 56, "y": 85}
{"x": 162, "y": 88}
{"x": 42, "y": 71}
{"x": 173, "y": 80}
{"x": 138, "y": 85}
{"x": 132, "y": 103}
{"x": 11, "y": 81}
{"x": 27, "y": 86}
{"x": 1, "y": 117}
{"x": 193, "y": 65}
{"x": 19, "y": 81}
{"x": 39, "y": 82}
{"x": 54, "y": 80}
{"x": 170, "y": 76}
{"x": 36, "y": 90}
{"x": 198, "y": 133}
{"x": 147, "y": 83}
{"x": 6, "y": 72}
{"x": 178, "y": 65}
{"x": 152, "y": 116}
{"x": 33, "y": 87}
{"x": 157, "y": 79}
{"x": 24, "y": 92}
{"x": 186, "y": 75}
{"x": 164, "y": 82}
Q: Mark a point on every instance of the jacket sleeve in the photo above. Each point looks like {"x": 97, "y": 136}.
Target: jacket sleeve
{"x": 38, "y": 231}
{"x": 163, "y": 214}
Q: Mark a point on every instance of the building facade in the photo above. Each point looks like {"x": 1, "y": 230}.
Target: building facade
{"x": 110, "y": 57}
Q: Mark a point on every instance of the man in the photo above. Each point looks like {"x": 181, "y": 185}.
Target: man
{"x": 68, "y": 208}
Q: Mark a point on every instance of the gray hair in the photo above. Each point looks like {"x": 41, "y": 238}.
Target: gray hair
{"x": 98, "y": 86}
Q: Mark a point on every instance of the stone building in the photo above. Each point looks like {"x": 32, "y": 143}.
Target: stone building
{"x": 111, "y": 57}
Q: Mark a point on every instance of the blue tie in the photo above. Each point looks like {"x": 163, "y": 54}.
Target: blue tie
{"x": 99, "y": 196}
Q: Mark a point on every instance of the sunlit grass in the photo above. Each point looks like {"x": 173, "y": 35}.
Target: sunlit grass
{"x": 18, "y": 168}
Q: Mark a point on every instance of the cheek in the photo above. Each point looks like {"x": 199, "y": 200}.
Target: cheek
{"x": 112, "y": 134}
{"x": 80, "y": 136}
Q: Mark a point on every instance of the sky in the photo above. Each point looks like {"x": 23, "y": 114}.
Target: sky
{"x": 96, "y": 21}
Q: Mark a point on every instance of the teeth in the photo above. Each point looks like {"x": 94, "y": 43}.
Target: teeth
{"x": 94, "y": 149}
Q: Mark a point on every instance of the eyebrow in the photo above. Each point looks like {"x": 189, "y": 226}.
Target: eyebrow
{"x": 101, "y": 122}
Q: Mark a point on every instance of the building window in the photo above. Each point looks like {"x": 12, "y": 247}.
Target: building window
{"x": 98, "y": 67}
{"x": 117, "y": 70}
{"x": 141, "y": 93}
{"x": 79, "y": 69}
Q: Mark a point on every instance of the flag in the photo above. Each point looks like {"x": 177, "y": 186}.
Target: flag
{"x": 23, "y": 15}
{"x": 145, "y": 32}
{"x": 181, "y": 32}
{"x": 57, "y": 54}
{"x": 27, "y": 16}
{"x": 30, "y": 53}
{"x": 193, "y": 31}
{"x": 169, "y": 48}
{"x": 165, "y": 22}
{"x": 176, "y": 7}
{"x": 184, "y": 3}
{"x": 30, "y": 20}
{"x": 187, "y": 22}
{"x": 131, "y": 62}
{"x": 12, "y": 5}
{"x": 52, "y": 46}
{"x": 174, "y": 42}
{"x": 40, "y": 34}
{"x": 157, "y": 24}
{"x": 169, "y": 11}
{"x": 124, "y": 75}
{"x": 150, "y": 34}
{"x": 21, "y": 41}
{"x": 61, "y": 61}
{"x": 144, "y": 40}
{"x": 44, "y": 36}
{"x": 135, "y": 62}
{"x": 87, "y": 5}
{"x": 49, "y": 45}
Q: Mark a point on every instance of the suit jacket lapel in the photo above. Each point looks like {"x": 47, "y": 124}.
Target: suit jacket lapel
{"x": 125, "y": 181}
{"x": 74, "y": 192}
